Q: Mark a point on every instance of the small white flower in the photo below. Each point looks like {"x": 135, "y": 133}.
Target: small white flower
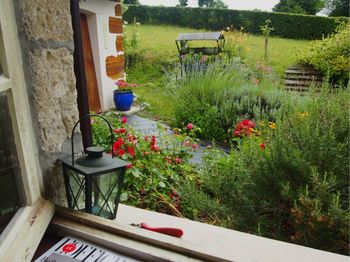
{"x": 125, "y": 22}
{"x": 138, "y": 23}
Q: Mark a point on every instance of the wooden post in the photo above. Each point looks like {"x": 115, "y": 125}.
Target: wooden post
{"x": 79, "y": 70}
{"x": 266, "y": 49}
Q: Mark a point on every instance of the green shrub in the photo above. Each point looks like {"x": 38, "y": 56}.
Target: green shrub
{"x": 285, "y": 25}
{"x": 330, "y": 55}
{"x": 197, "y": 205}
{"x": 215, "y": 100}
{"x": 291, "y": 181}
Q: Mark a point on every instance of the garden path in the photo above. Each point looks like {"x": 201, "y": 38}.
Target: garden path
{"x": 149, "y": 127}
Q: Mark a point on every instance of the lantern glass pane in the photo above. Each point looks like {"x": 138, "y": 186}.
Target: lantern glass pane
{"x": 77, "y": 190}
{"x": 94, "y": 194}
{"x": 104, "y": 193}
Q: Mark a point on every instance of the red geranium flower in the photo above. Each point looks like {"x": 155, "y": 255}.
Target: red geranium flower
{"x": 118, "y": 144}
{"x": 120, "y": 130}
{"x": 178, "y": 160}
{"x": 262, "y": 146}
{"x": 244, "y": 128}
{"x": 155, "y": 148}
{"x": 190, "y": 126}
{"x": 131, "y": 151}
{"x": 121, "y": 152}
{"x": 153, "y": 140}
{"x": 124, "y": 119}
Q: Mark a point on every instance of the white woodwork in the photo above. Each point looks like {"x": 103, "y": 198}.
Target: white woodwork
{"x": 18, "y": 103}
{"x": 22, "y": 235}
{"x": 5, "y": 84}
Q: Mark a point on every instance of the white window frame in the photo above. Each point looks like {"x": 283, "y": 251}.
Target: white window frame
{"x": 22, "y": 235}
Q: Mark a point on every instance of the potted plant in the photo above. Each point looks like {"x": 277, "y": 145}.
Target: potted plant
{"x": 123, "y": 96}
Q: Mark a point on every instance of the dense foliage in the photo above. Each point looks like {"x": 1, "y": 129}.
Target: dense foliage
{"x": 285, "y": 25}
{"x": 289, "y": 178}
{"x": 310, "y": 7}
{"x": 212, "y": 3}
{"x": 330, "y": 55}
{"x": 131, "y": 2}
{"x": 183, "y": 2}
{"x": 222, "y": 95}
{"x": 337, "y": 7}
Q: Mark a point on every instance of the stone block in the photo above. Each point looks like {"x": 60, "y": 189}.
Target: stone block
{"x": 118, "y": 10}
{"x": 55, "y": 96}
{"x": 119, "y": 43}
{"x": 115, "y": 25}
{"x": 47, "y": 20}
{"x": 115, "y": 66}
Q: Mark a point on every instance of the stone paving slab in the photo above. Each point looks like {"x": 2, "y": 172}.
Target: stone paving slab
{"x": 133, "y": 110}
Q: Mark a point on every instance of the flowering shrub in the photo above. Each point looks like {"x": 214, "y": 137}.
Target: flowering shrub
{"x": 245, "y": 128}
{"x": 158, "y": 164}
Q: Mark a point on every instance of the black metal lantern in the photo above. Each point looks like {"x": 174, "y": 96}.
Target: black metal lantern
{"x": 94, "y": 181}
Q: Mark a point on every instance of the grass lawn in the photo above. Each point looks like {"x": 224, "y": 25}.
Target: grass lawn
{"x": 157, "y": 44}
{"x": 282, "y": 52}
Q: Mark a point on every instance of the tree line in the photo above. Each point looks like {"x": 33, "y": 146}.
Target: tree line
{"x": 310, "y": 7}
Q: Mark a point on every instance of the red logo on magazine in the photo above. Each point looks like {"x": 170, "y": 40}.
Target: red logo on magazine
{"x": 69, "y": 248}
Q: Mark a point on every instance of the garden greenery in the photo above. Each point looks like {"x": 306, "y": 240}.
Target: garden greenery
{"x": 330, "y": 55}
{"x": 285, "y": 175}
{"x": 286, "y": 178}
{"x": 289, "y": 180}
{"x": 224, "y": 94}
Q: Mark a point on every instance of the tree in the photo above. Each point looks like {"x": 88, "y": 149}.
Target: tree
{"x": 219, "y": 4}
{"x": 288, "y": 6}
{"x": 183, "y": 2}
{"x": 310, "y": 7}
{"x": 212, "y": 3}
{"x": 337, "y": 7}
{"x": 131, "y": 2}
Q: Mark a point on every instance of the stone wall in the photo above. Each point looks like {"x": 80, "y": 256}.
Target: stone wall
{"x": 46, "y": 37}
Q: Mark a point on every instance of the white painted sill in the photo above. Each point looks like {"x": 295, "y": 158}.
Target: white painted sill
{"x": 199, "y": 242}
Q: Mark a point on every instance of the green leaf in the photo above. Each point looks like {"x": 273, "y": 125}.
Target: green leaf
{"x": 161, "y": 184}
{"x": 136, "y": 173}
{"x": 124, "y": 196}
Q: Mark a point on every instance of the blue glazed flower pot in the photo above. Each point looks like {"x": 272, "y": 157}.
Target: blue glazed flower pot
{"x": 123, "y": 100}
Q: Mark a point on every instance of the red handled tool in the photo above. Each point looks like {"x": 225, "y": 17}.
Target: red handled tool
{"x": 171, "y": 231}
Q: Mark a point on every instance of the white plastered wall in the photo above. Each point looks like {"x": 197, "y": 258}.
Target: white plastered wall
{"x": 102, "y": 44}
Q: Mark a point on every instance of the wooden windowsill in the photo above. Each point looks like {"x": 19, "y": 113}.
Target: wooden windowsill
{"x": 199, "y": 242}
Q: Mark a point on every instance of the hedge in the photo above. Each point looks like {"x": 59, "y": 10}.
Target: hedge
{"x": 285, "y": 25}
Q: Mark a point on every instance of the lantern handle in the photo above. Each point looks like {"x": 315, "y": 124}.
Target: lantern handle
{"x": 83, "y": 117}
